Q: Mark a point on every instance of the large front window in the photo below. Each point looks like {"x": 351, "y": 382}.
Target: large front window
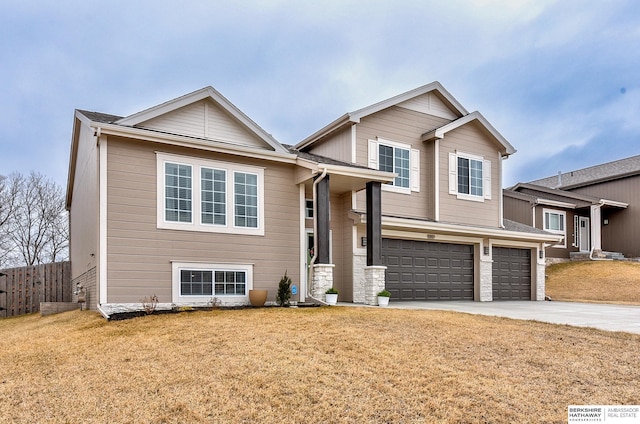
{"x": 204, "y": 195}
{"x": 246, "y": 200}
{"x": 178, "y": 192}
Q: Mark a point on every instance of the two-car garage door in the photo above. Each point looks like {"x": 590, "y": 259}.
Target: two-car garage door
{"x": 421, "y": 270}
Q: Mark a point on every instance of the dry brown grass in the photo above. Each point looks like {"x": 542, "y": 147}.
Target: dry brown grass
{"x": 602, "y": 281}
{"x": 346, "y": 365}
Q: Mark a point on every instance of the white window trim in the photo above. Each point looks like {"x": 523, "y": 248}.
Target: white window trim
{"x": 177, "y": 298}
{"x": 563, "y": 233}
{"x": 453, "y": 177}
{"x": 414, "y": 164}
{"x": 307, "y": 209}
{"x": 196, "y": 223}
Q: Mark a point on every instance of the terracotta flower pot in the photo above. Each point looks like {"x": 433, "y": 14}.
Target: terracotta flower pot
{"x": 258, "y": 297}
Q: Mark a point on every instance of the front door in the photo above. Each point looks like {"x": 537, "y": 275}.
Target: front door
{"x": 583, "y": 232}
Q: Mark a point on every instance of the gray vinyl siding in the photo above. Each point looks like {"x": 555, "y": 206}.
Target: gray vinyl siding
{"x": 337, "y": 146}
{"x": 83, "y": 215}
{"x": 518, "y": 210}
{"x": 403, "y": 126}
{"x": 469, "y": 139}
{"x": 140, "y": 255}
{"x": 622, "y": 234}
{"x": 204, "y": 119}
{"x": 559, "y": 252}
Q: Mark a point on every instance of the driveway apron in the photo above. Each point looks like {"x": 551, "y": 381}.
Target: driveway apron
{"x": 596, "y": 315}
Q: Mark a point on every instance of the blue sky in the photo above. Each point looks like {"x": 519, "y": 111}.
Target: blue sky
{"x": 559, "y": 79}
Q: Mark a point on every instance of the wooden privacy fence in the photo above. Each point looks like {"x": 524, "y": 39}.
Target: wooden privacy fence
{"x": 22, "y": 289}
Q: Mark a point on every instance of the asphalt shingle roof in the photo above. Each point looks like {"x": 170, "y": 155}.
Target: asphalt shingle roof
{"x": 103, "y": 118}
{"x": 591, "y": 174}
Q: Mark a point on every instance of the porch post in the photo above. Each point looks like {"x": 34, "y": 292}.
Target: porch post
{"x": 322, "y": 217}
{"x": 374, "y": 223}
{"x": 374, "y": 271}
{"x": 323, "y": 268}
{"x": 596, "y": 228}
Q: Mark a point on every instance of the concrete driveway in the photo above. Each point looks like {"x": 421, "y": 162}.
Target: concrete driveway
{"x": 602, "y": 316}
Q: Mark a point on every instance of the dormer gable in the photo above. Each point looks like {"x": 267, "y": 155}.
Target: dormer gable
{"x": 204, "y": 114}
{"x": 431, "y": 98}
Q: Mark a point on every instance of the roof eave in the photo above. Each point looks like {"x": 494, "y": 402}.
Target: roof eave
{"x": 440, "y": 132}
{"x": 197, "y": 143}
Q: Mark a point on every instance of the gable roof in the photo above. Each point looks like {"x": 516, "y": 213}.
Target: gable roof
{"x": 542, "y": 195}
{"x": 439, "y": 133}
{"x": 593, "y": 174}
{"x": 354, "y": 117}
{"x": 204, "y": 93}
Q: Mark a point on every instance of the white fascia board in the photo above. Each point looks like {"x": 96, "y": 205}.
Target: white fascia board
{"x": 195, "y": 143}
{"x": 614, "y": 203}
{"x": 346, "y": 171}
{"x": 204, "y": 93}
{"x": 556, "y": 203}
{"x": 434, "y": 86}
{"x": 370, "y": 174}
{"x": 439, "y": 133}
{"x": 439, "y": 227}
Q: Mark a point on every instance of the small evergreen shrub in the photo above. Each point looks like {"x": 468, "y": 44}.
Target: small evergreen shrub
{"x": 284, "y": 291}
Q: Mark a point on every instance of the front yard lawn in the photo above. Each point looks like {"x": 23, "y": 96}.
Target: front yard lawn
{"x": 330, "y": 364}
{"x": 601, "y": 281}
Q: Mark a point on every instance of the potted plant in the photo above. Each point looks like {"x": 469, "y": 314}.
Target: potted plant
{"x": 383, "y": 298}
{"x": 258, "y": 297}
{"x": 331, "y": 296}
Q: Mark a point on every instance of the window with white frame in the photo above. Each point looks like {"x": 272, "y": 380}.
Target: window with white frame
{"x": 196, "y": 282}
{"x": 308, "y": 209}
{"x": 555, "y": 222}
{"x": 469, "y": 177}
{"x": 177, "y": 192}
{"x": 400, "y": 158}
{"x": 204, "y": 195}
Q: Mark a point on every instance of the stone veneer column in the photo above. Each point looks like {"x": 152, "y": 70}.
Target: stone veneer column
{"x": 541, "y": 269}
{"x": 374, "y": 283}
{"x": 486, "y": 279}
{"x": 322, "y": 280}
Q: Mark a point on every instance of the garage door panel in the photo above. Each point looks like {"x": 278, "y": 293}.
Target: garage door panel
{"x": 511, "y": 274}
{"x": 449, "y": 276}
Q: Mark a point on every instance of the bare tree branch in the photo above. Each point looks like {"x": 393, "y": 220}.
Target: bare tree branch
{"x": 36, "y": 229}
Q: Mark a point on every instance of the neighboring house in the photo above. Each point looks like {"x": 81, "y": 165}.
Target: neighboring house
{"x": 596, "y": 210}
{"x": 191, "y": 200}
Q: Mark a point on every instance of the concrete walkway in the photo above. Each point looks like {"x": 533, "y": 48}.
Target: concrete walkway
{"x": 602, "y": 316}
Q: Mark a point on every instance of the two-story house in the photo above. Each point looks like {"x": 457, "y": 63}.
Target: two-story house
{"x": 191, "y": 200}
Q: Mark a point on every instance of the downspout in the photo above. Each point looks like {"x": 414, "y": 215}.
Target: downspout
{"x": 315, "y": 235}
